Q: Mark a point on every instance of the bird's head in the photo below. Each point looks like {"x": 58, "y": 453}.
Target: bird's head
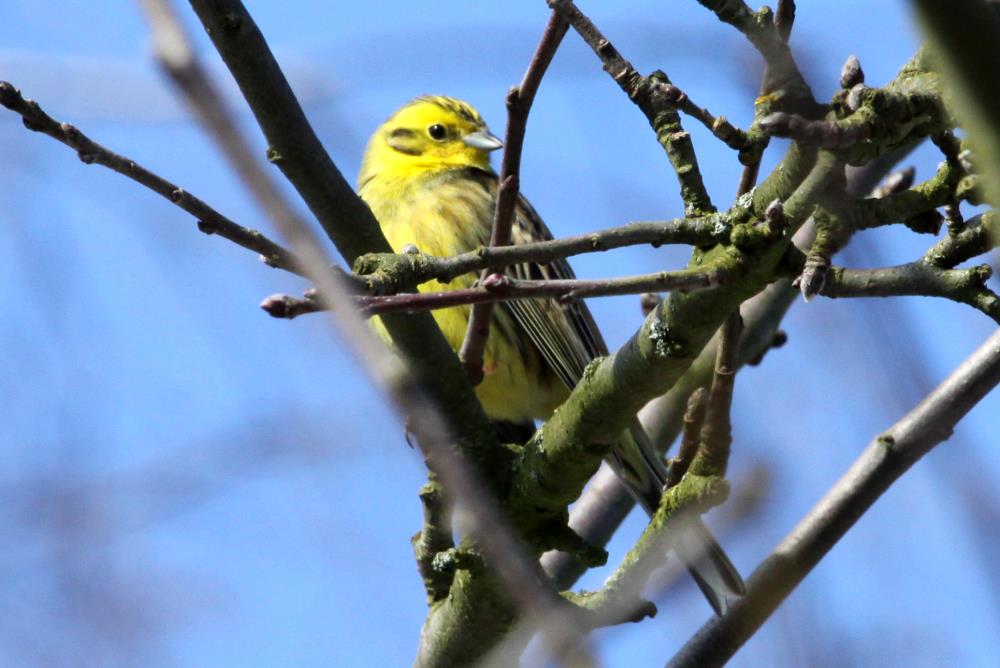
{"x": 429, "y": 133}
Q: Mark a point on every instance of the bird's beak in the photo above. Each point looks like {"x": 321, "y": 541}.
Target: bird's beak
{"x": 483, "y": 140}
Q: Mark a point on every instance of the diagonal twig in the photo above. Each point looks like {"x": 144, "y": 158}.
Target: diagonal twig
{"x": 887, "y": 457}
{"x": 210, "y": 221}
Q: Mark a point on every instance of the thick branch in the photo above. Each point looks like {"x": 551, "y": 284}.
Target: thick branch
{"x": 295, "y": 148}
{"x": 769, "y": 36}
{"x": 605, "y": 503}
{"x": 524, "y": 587}
{"x": 887, "y": 457}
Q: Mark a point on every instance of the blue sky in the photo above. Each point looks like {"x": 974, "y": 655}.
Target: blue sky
{"x": 190, "y": 483}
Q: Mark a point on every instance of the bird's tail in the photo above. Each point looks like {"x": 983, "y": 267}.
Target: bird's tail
{"x": 645, "y": 475}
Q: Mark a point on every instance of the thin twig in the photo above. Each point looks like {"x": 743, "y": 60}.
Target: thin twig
{"x": 519, "y": 100}
{"x": 210, "y": 221}
{"x": 694, "y": 419}
{"x": 719, "y": 126}
{"x": 649, "y": 95}
{"x": 887, "y": 457}
{"x": 497, "y": 288}
{"x": 966, "y": 286}
{"x": 717, "y": 428}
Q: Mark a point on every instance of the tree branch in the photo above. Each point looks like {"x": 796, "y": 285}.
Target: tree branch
{"x": 210, "y": 221}
{"x": 966, "y": 286}
{"x": 497, "y": 288}
{"x": 980, "y": 234}
{"x": 523, "y": 583}
{"x": 717, "y": 429}
{"x": 887, "y": 457}
{"x": 295, "y": 148}
{"x": 769, "y": 35}
{"x": 650, "y": 95}
{"x": 389, "y": 273}
{"x": 519, "y": 100}
{"x": 435, "y": 538}
{"x": 605, "y": 503}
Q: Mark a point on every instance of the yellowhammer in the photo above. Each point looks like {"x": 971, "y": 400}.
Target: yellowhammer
{"x": 426, "y": 176}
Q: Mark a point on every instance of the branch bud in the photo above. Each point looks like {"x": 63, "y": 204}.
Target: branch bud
{"x": 851, "y": 73}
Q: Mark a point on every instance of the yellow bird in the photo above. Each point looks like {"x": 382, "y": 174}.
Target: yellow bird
{"x": 426, "y": 176}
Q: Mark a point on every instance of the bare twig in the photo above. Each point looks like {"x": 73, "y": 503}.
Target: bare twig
{"x": 210, "y": 221}
{"x": 387, "y": 273}
{"x": 498, "y": 287}
{"x": 694, "y": 419}
{"x": 887, "y": 457}
{"x": 895, "y": 183}
{"x": 719, "y": 126}
{"x": 519, "y": 100}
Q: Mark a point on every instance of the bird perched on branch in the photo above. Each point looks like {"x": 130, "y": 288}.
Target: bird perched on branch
{"x": 426, "y": 176}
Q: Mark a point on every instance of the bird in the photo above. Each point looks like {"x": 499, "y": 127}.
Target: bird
{"x": 427, "y": 178}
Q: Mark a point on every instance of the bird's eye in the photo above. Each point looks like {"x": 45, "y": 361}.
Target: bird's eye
{"x": 437, "y": 131}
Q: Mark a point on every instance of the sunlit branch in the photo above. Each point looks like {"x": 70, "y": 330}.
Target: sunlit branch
{"x": 497, "y": 288}
{"x": 521, "y": 576}
{"x": 519, "y": 100}
{"x": 888, "y": 456}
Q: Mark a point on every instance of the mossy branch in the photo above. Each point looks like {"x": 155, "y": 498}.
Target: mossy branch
{"x": 434, "y": 539}
{"x": 619, "y": 600}
{"x": 886, "y": 458}
{"x": 980, "y": 234}
{"x": 652, "y": 95}
{"x": 966, "y": 286}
